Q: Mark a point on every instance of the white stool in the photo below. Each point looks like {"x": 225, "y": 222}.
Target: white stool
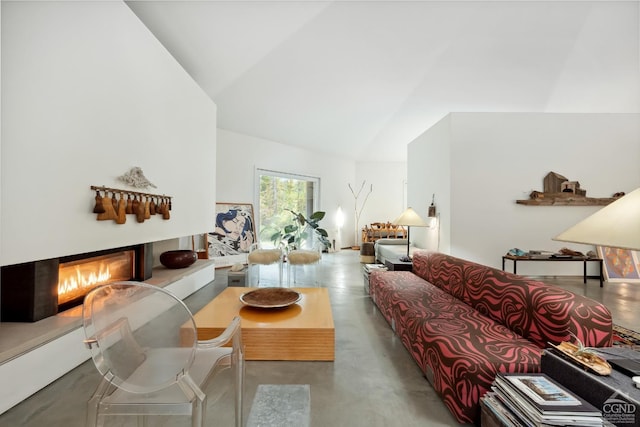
{"x": 305, "y": 259}
{"x": 263, "y": 257}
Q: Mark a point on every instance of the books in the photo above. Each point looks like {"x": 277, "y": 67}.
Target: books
{"x": 371, "y": 267}
{"x": 542, "y": 391}
{"x": 535, "y": 400}
{"x": 499, "y": 411}
{"x": 539, "y": 254}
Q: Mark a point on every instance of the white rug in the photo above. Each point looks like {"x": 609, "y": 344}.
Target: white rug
{"x": 276, "y": 405}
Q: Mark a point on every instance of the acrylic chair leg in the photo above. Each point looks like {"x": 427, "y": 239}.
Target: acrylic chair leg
{"x": 93, "y": 405}
{"x": 142, "y": 421}
{"x": 239, "y": 389}
{"x": 294, "y": 273}
{"x": 250, "y": 274}
{"x": 316, "y": 280}
{"x": 92, "y": 414}
{"x": 198, "y": 412}
{"x": 203, "y": 411}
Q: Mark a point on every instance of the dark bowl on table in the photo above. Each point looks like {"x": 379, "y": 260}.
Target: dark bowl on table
{"x": 180, "y": 258}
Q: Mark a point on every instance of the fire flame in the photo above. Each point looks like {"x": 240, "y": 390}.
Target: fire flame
{"x": 77, "y": 278}
{"x": 79, "y": 282}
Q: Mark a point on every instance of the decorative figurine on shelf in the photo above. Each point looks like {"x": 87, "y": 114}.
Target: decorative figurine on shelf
{"x": 135, "y": 177}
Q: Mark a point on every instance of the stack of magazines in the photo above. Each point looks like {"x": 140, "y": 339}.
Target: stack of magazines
{"x": 535, "y": 400}
{"x": 371, "y": 267}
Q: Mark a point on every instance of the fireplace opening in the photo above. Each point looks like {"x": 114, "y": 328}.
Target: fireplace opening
{"x": 77, "y": 278}
{"x": 34, "y": 290}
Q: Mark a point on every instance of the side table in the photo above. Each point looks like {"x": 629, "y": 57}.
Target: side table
{"x": 366, "y": 272}
{"x": 397, "y": 265}
{"x": 615, "y": 395}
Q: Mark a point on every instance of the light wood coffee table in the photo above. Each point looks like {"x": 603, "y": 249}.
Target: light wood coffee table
{"x": 303, "y": 331}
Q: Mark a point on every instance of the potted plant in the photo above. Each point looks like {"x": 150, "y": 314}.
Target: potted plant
{"x": 301, "y": 231}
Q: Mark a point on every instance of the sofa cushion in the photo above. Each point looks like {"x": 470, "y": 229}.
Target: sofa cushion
{"x": 540, "y": 312}
{"x": 461, "y": 357}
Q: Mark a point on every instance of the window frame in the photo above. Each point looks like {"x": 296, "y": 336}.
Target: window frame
{"x": 259, "y": 172}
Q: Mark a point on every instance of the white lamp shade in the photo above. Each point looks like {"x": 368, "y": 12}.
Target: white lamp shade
{"x": 410, "y": 218}
{"x": 617, "y": 225}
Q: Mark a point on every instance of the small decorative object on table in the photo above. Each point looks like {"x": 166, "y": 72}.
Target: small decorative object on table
{"x": 180, "y": 258}
{"x": 584, "y": 357}
{"x": 237, "y": 275}
{"x": 270, "y": 298}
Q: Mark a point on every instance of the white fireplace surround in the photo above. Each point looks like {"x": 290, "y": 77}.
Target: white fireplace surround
{"x": 32, "y": 355}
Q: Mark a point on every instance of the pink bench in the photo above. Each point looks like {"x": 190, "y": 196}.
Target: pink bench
{"x": 463, "y": 322}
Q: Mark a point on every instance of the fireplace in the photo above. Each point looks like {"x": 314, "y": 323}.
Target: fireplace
{"x": 34, "y": 290}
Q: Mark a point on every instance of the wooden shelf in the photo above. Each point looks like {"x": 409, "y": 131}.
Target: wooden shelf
{"x": 560, "y": 199}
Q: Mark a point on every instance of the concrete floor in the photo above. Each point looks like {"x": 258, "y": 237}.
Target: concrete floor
{"x": 373, "y": 381}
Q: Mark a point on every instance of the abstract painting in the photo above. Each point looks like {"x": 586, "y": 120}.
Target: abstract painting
{"x": 620, "y": 265}
{"x": 234, "y": 231}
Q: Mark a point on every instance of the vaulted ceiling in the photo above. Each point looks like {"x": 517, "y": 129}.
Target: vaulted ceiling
{"x": 361, "y": 79}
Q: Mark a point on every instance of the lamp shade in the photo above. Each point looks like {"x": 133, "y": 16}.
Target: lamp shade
{"x": 617, "y": 225}
{"x": 410, "y": 218}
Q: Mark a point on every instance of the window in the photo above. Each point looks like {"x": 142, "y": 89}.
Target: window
{"x": 279, "y": 192}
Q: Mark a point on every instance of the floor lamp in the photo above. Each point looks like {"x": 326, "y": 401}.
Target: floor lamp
{"x": 409, "y": 218}
{"x": 617, "y": 225}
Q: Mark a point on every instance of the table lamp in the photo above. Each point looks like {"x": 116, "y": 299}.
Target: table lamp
{"x": 409, "y": 218}
{"x": 617, "y": 225}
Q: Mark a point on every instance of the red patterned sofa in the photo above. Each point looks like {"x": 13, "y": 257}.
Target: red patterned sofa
{"x": 463, "y": 322}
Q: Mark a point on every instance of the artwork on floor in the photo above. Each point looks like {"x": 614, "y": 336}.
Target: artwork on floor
{"x": 234, "y": 233}
{"x": 619, "y": 265}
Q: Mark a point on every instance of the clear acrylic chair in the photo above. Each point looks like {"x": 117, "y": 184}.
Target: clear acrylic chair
{"x": 303, "y": 265}
{"x": 143, "y": 341}
{"x": 260, "y": 257}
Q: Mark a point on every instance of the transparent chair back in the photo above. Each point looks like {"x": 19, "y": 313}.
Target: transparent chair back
{"x": 143, "y": 340}
{"x": 130, "y": 324}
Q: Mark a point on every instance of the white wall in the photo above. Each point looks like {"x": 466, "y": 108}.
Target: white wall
{"x": 388, "y": 198}
{"x": 239, "y": 155}
{"x": 87, "y": 93}
{"x": 497, "y": 158}
{"x": 429, "y": 179}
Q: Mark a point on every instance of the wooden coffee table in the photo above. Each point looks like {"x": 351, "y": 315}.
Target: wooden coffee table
{"x": 303, "y": 331}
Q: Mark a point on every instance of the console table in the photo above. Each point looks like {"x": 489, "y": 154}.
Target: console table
{"x": 583, "y": 260}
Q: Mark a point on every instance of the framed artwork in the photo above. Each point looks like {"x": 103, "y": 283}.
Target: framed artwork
{"x": 234, "y": 232}
{"x": 619, "y": 265}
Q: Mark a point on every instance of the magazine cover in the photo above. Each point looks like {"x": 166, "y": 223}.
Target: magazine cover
{"x": 542, "y": 391}
{"x": 545, "y": 395}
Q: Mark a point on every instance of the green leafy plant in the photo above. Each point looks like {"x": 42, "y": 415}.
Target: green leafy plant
{"x": 300, "y": 231}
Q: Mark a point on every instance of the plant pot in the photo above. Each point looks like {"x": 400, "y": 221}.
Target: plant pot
{"x": 180, "y": 258}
